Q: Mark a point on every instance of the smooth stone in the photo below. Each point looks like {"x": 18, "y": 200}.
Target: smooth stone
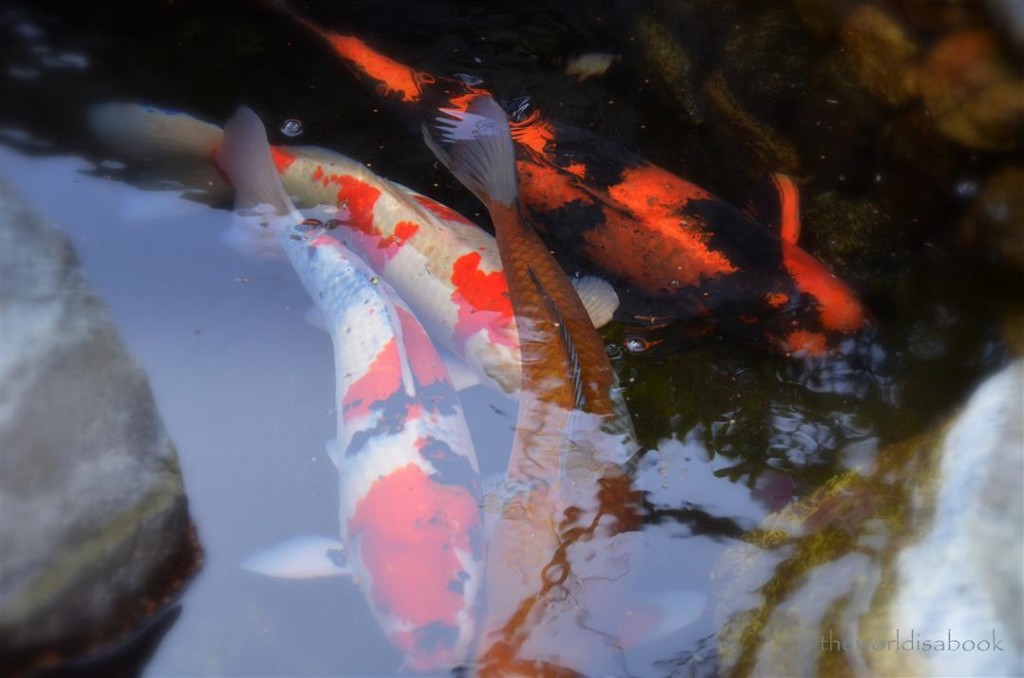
{"x": 928, "y": 545}
{"x": 96, "y": 530}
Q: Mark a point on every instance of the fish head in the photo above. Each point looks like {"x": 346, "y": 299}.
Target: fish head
{"x": 419, "y": 544}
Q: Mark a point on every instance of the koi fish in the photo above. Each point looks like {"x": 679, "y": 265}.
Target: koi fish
{"x": 408, "y": 479}
{"x": 690, "y": 253}
{"x": 568, "y": 503}
{"x": 443, "y": 265}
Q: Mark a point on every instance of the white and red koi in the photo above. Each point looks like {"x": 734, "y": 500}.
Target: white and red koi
{"x": 444, "y": 266}
{"x": 409, "y": 482}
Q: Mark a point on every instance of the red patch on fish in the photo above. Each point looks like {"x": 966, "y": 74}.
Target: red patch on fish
{"x": 776, "y": 299}
{"x": 382, "y": 379}
{"x": 806, "y": 343}
{"x": 423, "y": 359}
{"x": 360, "y": 198}
{"x": 394, "y": 80}
{"x": 403, "y": 231}
{"x": 534, "y": 133}
{"x": 408, "y": 528}
{"x": 282, "y": 159}
{"x": 548, "y": 188}
{"x": 479, "y": 295}
{"x": 838, "y": 309}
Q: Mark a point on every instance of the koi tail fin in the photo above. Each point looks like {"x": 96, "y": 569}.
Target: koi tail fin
{"x": 169, "y": 146}
{"x": 263, "y": 211}
{"x": 475, "y": 144}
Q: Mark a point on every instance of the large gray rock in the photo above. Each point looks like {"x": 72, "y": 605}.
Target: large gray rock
{"x": 915, "y": 569}
{"x": 961, "y": 581}
{"x": 95, "y": 533}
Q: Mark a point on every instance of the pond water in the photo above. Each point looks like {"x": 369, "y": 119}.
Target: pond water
{"x": 244, "y": 383}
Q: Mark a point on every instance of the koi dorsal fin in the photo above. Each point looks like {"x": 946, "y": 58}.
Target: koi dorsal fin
{"x": 565, "y": 338}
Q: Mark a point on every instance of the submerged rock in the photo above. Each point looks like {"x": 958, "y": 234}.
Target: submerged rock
{"x": 995, "y": 222}
{"x": 947, "y": 15}
{"x": 856, "y": 579}
{"x": 769, "y": 148}
{"x": 760, "y": 81}
{"x": 971, "y": 93}
{"x": 670, "y": 65}
{"x": 823, "y": 18}
{"x": 96, "y": 531}
{"x": 883, "y": 55}
{"x": 960, "y": 580}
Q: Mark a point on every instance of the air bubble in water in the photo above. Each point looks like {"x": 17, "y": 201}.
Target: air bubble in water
{"x": 636, "y": 345}
{"x": 291, "y": 127}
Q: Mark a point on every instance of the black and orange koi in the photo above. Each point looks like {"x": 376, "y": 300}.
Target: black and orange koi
{"x": 673, "y": 241}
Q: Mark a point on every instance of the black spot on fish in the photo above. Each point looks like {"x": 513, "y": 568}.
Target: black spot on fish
{"x": 438, "y": 396}
{"x": 436, "y": 636}
{"x": 456, "y": 586}
{"x": 337, "y": 556}
{"x": 393, "y": 411}
{"x": 748, "y": 245}
{"x": 565, "y": 225}
{"x": 452, "y": 468}
{"x": 606, "y": 161}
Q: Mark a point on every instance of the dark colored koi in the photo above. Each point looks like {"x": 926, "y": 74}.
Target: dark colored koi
{"x": 686, "y": 251}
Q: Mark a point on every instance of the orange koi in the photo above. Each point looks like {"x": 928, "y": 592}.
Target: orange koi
{"x": 568, "y": 502}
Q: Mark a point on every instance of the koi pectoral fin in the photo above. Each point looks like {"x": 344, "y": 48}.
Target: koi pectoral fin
{"x": 659, "y": 615}
{"x": 598, "y": 297}
{"x": 300, "y": 558}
